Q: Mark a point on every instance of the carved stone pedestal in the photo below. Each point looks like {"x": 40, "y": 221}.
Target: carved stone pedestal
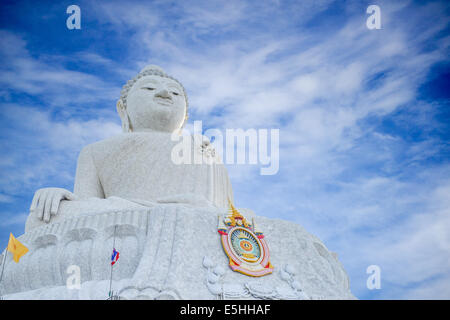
{"x": 170, "y": 251}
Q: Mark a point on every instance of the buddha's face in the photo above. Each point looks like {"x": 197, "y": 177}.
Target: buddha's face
{"x": 156, "y": 103}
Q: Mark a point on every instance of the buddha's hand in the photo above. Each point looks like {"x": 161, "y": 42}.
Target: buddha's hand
{"x": 46, "y": 202}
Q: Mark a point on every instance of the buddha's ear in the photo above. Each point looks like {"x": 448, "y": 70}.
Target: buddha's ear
{"x": 122, "y": 111}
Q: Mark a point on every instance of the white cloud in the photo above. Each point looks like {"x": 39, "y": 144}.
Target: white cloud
{"x": 6, "y": 198}
{"x": 10, "y": 219}
{"x": 44, "y": 149}
{"x": 48, "y": 78}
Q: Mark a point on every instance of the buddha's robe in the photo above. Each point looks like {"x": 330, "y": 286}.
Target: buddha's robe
{"x": 132, "y": 170}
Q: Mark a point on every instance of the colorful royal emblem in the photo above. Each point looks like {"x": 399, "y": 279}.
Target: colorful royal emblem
{"x": 244, "y": 245}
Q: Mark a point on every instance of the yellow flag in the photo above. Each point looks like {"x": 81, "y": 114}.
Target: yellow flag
{"x": 16, "y": 248}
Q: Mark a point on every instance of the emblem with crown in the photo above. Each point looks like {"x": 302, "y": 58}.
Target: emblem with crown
{"x": 244, "y": 244}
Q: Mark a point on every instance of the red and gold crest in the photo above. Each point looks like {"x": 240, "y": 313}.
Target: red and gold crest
{"x": 244, "y": 245}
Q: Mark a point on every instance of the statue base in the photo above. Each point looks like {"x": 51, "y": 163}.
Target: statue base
{"x": 169, "y": 251}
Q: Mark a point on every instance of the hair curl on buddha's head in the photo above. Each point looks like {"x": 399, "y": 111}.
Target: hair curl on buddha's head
{"x": 148, "y": 71}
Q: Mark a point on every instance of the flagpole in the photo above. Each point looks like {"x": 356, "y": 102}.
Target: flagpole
{"x": 110, "y": 279}
{"x": 3, "y": 267}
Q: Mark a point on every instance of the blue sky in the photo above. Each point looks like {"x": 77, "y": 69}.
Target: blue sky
{"x": 363, "y": 114}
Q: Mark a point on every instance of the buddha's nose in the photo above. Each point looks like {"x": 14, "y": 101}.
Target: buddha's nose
{"x": 163, "y": 94}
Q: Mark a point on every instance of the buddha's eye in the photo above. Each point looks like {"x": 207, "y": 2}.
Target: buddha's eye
{"x": 175, "y": 93}
{"x": 149, "y": 88}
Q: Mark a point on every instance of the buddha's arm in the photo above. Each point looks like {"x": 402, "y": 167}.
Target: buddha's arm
{"x": 87, "y": 181}
{"x": 46, "y": 201}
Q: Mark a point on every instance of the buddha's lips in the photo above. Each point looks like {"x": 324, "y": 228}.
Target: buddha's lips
{"x": 164, "y": 101}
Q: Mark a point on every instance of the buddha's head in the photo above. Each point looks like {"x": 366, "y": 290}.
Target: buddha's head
{"x": 153, "y": 101}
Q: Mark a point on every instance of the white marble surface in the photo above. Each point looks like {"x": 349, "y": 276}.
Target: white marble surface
{"x": 139, "y": 166}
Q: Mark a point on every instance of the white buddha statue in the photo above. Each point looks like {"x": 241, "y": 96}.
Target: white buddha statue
{"x": 165, "y": 219}
{"x": 135, "y": 168}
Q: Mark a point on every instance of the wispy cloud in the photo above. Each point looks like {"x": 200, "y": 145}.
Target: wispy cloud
{"x": 6, "y": 198}
{"x": 8, "y": 220}
{"x": 48, "y": 77}
{"x": 37, "y": 149}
